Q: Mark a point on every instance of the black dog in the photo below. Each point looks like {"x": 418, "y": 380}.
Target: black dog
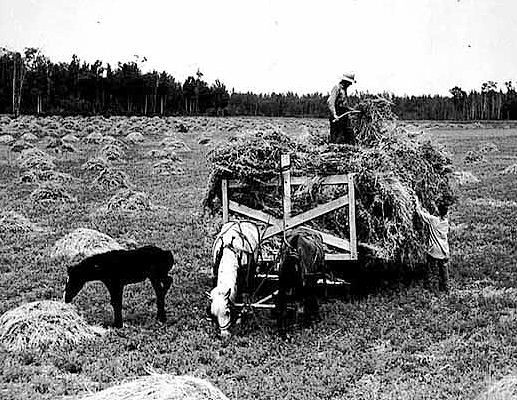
{"x": 118, "y": 268}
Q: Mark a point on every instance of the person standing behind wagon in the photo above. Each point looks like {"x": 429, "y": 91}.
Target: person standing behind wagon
{"x": 438, "y": 248}
{"x": 341, "y": 131}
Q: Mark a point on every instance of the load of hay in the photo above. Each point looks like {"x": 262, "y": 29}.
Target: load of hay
{"x": 82, "y": 243}
{"x": 160, "y": 387}
{"x": 128, "y": 200}
{"x": 45, "y": 325}
{"x": 389, "y": 166}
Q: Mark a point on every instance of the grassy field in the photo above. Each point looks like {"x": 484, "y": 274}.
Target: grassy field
{"x": 403, "y": 343}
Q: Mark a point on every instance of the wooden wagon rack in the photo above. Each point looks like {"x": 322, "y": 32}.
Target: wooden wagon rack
{"x": 347, "y": 247}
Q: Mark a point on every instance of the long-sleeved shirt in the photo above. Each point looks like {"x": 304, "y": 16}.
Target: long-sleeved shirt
{"x": 337, "y": 101}
{"x": 438, "y": 245}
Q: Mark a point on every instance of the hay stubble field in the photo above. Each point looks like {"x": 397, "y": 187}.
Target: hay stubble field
{"x": 391, "y": 343}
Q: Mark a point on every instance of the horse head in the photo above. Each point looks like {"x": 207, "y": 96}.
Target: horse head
{"x": 221, "y": 310}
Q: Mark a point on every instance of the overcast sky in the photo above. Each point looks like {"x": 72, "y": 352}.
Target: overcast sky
{"x": 401, "y": 46}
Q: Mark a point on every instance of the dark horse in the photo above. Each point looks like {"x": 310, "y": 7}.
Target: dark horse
{"x": 118, "y": 268}
{"x": 302, "y": 263}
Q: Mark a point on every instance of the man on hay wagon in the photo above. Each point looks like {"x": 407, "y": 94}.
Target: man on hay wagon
{"x": 341, "y": 131}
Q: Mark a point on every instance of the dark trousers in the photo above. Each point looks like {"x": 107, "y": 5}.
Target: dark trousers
{"x": 341, "y": 131}
{"x": 437, "y": 279}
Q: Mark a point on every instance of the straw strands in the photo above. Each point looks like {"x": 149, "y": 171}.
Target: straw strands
{"x": 44, "y": 325}
{"x": 83, "y": 242}
{"x": 160, "y": 387}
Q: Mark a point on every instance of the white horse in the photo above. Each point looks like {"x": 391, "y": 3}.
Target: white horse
{"x": 234, "y": 255}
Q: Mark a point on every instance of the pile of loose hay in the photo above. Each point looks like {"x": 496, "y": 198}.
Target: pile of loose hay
{"x": 167, "y": 152}
{"x": 112, "y": 152}
{"x": 96, "y": 164}
{"x": 20, "y": 145}
{"x": 473, "y": 157}
{"x": 488, "y": 147}
{"x": 29, "y": 137}
{"x": 93, "y": 138}
{"x": 389, "y": 167}
{"x": 112, "y": 178}
{"x": 7, "y": 139}
{"x": 127, "y": 200}
{"x": 465, "y": 177}
{"x": 81, "y": 243}
{"x": 160, "y": 387}
{"x": 44, "y": 325}
{"x": 35, "y": 176}
{"x": 51, "y": 192}
{"x": 12, "y": 222}
{"x": 174, "y": 144}
{"x": 510, "y": 170}
{"x": 35, "y": 158}
{"x": 135, "y": 137}
{"x": 504, "y": 389}
{"x": 168, "y": 167}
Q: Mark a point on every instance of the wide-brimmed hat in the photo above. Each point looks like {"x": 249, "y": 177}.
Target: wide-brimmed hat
{"x": 348, "y": 77}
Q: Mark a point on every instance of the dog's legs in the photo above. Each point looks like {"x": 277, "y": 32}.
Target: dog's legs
{"x": 160, "y": 298}
{"x": 116, "y": 290}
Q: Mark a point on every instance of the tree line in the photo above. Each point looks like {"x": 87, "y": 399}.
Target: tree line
{"x": 30, "y": 83}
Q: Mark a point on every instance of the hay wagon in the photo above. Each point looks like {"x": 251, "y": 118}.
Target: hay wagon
{"x": 343, "y": 249}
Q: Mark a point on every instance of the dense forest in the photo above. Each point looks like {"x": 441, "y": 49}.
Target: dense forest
{"x": 30, "y": 83}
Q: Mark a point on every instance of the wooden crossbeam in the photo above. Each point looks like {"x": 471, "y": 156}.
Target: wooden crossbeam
{"x": 332, "y": 240}
{"x": 302, "y": 218}
{"x": 254, "y": 214}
